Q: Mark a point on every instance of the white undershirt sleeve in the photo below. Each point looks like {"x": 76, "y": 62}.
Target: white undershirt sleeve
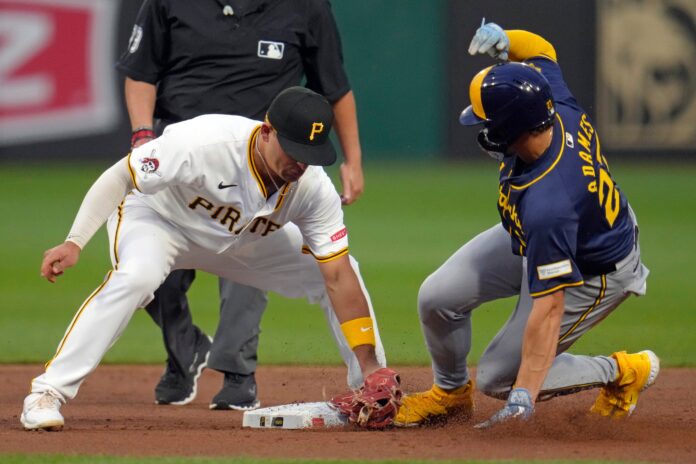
{"x": 100, "y": 201}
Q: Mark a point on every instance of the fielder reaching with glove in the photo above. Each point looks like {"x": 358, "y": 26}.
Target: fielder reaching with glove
{"x": 246, "y": 200}
{"x": 567, "y": 246}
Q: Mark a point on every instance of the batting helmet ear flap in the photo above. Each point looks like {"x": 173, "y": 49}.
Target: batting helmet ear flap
{"x": 497, "y": 151}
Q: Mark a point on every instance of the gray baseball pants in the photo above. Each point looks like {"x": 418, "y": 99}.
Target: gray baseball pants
{"x": 485, "y": 269}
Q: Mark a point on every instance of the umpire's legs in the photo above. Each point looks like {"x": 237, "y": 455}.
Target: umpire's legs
{"x": 170, "y": 311}
{"x": 237, "y": 337}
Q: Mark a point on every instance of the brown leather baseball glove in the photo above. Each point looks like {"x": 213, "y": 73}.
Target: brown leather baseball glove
{"x": 376, "y": 403}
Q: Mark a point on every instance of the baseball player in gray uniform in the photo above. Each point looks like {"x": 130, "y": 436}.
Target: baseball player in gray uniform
{"x": 567, "y": 246}
{"x": 243, "y": 199}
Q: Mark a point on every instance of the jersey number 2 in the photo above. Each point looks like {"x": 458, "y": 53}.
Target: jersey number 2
{"x": 609, "y": 198}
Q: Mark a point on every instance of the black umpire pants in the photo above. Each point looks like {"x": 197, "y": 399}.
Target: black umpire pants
{"x": 236, "y": 340}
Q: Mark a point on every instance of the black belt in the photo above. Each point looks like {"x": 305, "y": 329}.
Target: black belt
{"x": 596, "y": 269}
{"x": 601, "y": 268}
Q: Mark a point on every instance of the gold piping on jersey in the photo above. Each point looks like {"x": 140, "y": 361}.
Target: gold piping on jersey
{"x": 130, "y": 171}
{"x": 252, "y": 164}
{"x": 557, "y": 287}
{"x": 597, "y": 301}
{"x": 281, "y": 197}
{"x": 94, "y": 293}
{"x": 550, "y": 168}
{"x": 324, "y": 259}
{"x": 116, "y": 234}
{"x": 475, "y": 93}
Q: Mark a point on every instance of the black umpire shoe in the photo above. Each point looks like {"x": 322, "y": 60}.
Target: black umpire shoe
{"x": 238, "y": 392}
{"x": 180, "y": 388}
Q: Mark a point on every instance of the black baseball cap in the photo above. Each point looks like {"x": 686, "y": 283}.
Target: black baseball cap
{"x": 303, "y": 118}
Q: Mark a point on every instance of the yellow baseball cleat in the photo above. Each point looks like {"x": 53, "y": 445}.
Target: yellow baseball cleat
{"x": 637, "y": 372}
{"x": 436, "y": 403}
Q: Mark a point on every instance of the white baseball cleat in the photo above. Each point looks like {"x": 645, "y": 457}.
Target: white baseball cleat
{"x": 42, "y": 412}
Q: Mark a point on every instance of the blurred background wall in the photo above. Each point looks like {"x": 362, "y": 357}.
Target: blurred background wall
{"x": 630, "y": 63}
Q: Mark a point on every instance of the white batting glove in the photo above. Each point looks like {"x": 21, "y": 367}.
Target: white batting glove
{"x": 519, "y": 406}
{"x": 491, "y": 39}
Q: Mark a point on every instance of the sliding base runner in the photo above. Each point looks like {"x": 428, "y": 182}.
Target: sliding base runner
{"x": 295, "y": 416}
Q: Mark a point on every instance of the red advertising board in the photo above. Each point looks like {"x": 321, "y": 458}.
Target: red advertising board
{"x": 56, "y": 68}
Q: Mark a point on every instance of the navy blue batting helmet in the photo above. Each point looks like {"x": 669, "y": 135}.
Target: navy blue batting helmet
{"x": 509, "y": 99}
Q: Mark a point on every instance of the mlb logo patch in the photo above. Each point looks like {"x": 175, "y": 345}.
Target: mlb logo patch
{"x": 271, "y": 50}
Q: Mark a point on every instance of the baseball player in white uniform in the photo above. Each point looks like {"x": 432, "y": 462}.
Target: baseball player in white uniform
{"x": 243, "y": 199}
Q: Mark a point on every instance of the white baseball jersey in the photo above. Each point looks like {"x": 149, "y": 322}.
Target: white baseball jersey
{"x": 201, "y": 175}
{"x": 202, "y": 205}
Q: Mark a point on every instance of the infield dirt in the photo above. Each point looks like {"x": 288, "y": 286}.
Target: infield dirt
{"x": 115, "y": 414}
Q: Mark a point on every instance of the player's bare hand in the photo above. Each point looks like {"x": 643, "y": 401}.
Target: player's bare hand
{"x": 353, "y": 182}
{"x": 57, "y": 259}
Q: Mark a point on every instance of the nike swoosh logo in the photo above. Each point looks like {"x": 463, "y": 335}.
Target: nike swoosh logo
{"x": 223, "y": 186}
{"x": 365, "y": 329}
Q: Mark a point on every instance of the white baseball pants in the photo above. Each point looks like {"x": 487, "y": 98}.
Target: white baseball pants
{"x": 144, "y": 249}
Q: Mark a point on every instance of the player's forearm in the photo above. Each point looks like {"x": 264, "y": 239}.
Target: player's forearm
{"x": 540, "y": 342}
{"x": 346, "y": 296}
{"x": 352, "y": 311}
{"x": 140, "y": 101}
{"x": 525, "y": 45}
{"x": 99, "y": 202}
{"x": 346, "y": 127}
{"x": 356, "y": 324}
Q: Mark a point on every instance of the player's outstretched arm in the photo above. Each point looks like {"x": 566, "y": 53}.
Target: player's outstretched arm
{"x": 513, "y": 45}
{"x": 99, "y": 202}
{"x": 352, "y": 310}
{"x": 538, "y": 352}
{"x": 375, "y": 404}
